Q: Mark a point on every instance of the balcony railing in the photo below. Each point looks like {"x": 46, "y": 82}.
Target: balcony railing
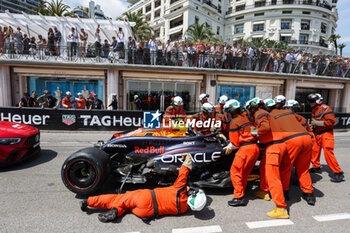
{"x": 306, "y": 42}
{"x": 209, "y": 3}
{"x": 284, "y": 2}
{"x": 181, "y": 58}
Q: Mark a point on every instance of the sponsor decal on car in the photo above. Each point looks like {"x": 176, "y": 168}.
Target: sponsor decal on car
{"x": 68, "y": 119}
{"x": 200, "y": 157}
{"x": 117, "y": 145}
{"x": 18, "y": 126}
{"x": 189, "y": 143}
{"x": 149, "y": 149}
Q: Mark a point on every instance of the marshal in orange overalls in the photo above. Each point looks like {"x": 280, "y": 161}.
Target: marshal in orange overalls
{"x": 67, "y": 103}
{"x": 170, "y": 200}
{"x": 324, "y": 138}
{"x": 246, "y": 156}
{"x": 172, "y": 114}
{"x": 270, "y": 167}
{"x": 299, "y": 145}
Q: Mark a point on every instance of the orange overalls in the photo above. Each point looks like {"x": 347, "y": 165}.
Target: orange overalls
{"x": 80, "y": 104}
{"x": 299, "y": 146}
{"x": 172, "y": 114}
{"x": 218, "y": 108}
{"x": 225, "y": 127}
{"x": 67, "y": 103}
{"x": 324, "y": 138}
{"x": 271, "y": 174}
{"x": 246, "y": 156}
{"x": 169, "y": 200}
{"x": 304, "y": 123}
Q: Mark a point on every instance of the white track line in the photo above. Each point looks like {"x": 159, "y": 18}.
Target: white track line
{"x": 206, "y": 229}
{"x": 331, "y": 217}
{"x": 269, "y": 223}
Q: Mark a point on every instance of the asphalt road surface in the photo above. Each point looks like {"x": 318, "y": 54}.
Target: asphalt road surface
{"x": 34, "y": 199}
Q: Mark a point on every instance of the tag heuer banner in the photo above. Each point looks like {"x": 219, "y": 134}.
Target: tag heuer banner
{"x": 63, "y": 119}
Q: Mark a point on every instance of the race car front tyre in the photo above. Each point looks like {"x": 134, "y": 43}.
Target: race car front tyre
{"x": 85, "y": 171}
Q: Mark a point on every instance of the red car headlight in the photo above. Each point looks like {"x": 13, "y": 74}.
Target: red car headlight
{"x": 9, "y": 141}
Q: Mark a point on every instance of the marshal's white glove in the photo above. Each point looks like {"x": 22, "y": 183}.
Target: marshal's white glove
{"x": 229, "y": 148}
{"x": 254, "y": 131}
{"x": 187, "y": 160}
{"x": 317, "y": 123}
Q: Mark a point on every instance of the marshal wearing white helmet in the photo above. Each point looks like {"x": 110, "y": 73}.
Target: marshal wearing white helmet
{"x": 174, "y": 112}
{"x": 203, "y": 98}
{"x": 270, "y": 104}
{"x": 222, "y": 101}
{"x": 149, "y": 204}
{"x": 66, "y": 102}
{"x": 248, "y": 153}
{"x": 280, "y": 101}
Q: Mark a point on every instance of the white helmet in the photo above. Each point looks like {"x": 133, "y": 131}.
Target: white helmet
{"x": 223, "y": 99}
{"x": 280, "y": 99}
{"x": 114, "y": 94}
{"x": 203, "y": 97}
{"x": 232, "y": 106}
{"x": 178, "y": 101}
{"x": 207, "y": 107}
{"x": 293, "y": 104}
{"x": 269, "y": 102}
{"x": 68, "y": 93}
{"x": 254, "y": 104}
{"x": 79, "y": 93}
{"x": 197, "y": 200}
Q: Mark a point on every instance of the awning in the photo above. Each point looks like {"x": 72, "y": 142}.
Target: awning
{"x": 175, "y": 17}
{"x": 35, "y": 25}
{"x": 286, "y": 34}
{"x": 259, "y": 22}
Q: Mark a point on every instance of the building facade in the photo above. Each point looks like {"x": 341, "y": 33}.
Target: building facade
{"x": 156, "y": 85}
{"x": 19, "y": 6}
{"x": 303, "y": 24}
{"x": 93, "y": 11}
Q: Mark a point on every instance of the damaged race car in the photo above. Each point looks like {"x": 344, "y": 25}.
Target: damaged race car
{"x": 149, "y": 155}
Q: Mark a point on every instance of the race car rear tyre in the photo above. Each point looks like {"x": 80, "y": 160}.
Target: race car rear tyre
{"x": 85, "y": 171}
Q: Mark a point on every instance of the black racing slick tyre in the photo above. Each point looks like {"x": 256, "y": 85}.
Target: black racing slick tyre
{"x": 85, "y": 171}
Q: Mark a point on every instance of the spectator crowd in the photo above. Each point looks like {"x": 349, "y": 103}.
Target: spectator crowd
{"x": 173, "y": 53}
{"x": 46, "y": 100}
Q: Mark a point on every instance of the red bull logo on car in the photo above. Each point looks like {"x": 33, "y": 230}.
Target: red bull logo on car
{"x": 149, "y": 149}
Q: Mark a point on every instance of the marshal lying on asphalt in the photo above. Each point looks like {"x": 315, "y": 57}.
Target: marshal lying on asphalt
{"x": 148, "y": 155}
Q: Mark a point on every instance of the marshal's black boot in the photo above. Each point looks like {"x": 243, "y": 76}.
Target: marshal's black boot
{"x": 309, "y": 198}
{"x": 237, "y": 202}
{"x": 109, "y": 216}
{"x": 83, "y": 205}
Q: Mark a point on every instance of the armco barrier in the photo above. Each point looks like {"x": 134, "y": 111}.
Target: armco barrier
{"x": 63, "y": 119}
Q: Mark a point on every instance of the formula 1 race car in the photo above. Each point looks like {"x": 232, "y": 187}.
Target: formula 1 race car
{"x": 149, "y": 155}
{"x": 17, "y": 142}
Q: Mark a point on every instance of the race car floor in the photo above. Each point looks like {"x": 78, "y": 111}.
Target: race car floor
{"x": 34, "y": 199}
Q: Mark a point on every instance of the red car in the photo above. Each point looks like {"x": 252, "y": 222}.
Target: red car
{"x": 17, "y": 142}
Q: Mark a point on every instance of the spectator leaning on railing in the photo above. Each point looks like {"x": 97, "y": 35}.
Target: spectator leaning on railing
{"x": 175, "y": 53}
